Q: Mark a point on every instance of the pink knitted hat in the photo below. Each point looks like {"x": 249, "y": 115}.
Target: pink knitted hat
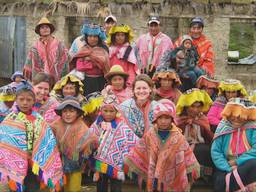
{"x": 165, "y": 107}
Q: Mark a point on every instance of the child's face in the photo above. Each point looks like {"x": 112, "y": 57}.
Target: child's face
{"x": 18, "y": 79}
{"x": 187, "y": 44}
{"x": 42, "y": 91}
{"x": 164, "y": 122}
{"x": 236, "y": 122}
{"x": 120, "y": 38}
{"x": 117, "y": 82}
{"x": 108, "y": 113}
{"x": 195, "y": 109}
{"x": 166, "y": 83}
{"x": 69, "y": 115}
{"x": 231, "y": 94}
{"x": 210, "y": 91}
{"x": 25, "y": 102}
{"x": 44, "y": 30}
{"x": 69, "y": 90}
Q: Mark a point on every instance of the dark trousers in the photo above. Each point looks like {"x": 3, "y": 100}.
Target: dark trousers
{"x": 102, "y": 184}
{"x": 246, "y": 172}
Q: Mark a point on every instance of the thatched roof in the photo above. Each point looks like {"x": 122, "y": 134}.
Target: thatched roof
{"x": 101, "y": 8}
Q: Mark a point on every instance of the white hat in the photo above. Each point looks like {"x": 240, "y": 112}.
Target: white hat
{"x": 110, "y": 17}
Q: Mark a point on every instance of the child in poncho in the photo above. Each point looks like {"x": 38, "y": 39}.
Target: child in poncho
{"x": 233, "y": 148}
{"x": 28, "y": 147}
{"x": 115, "y": 141}
{"x": 75, "y": 141}
{"x": 163, "y": 156}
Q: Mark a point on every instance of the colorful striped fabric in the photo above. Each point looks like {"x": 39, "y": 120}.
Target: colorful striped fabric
{"x": 15, "y": 156}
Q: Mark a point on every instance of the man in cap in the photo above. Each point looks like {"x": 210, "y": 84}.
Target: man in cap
{"x": 152, "y": 45}
{"x": 203, "y": 45}
{"x": 48, "y": 54}
{"x": 110, "y": 21}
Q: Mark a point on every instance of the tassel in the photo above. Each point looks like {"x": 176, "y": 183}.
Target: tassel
{"x": 19, "y": 187}
{"x": 57, "y": 187}
{"x": 50, "y": 183}
{"x": 120, "y": 175}
{"x": 42, "y": 185}
{"x": 115, "y": 173}
{"x": 64, "y": 179}
{"x": 126, "y": 169}
{"x": 12, "y": 185}
{"x": 40, "y": 174}
{"x": 155, "y": 184}
{"x": 96, "y": 176}
{"x": 97, "y": 165}
{"x": 110, "y": 171}
{"x": 103, "y": 167}
{"x": 35, "y": 168}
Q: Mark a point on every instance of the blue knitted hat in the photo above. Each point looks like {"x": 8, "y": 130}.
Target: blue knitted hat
{"x": 93, "y": 29}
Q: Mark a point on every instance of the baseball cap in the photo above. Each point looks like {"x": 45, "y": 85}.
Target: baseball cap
{"x": 154, "y": 19}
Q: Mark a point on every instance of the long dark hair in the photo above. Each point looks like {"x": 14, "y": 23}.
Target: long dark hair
{"x": 100, "y": 43}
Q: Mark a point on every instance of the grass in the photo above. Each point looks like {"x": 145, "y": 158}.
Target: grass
{"x": 242, "y": 38}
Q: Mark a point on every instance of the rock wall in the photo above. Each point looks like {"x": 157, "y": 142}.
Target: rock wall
{"x": 175, "y": 16}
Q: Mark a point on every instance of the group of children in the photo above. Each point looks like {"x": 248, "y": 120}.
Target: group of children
{"x": 118, "y": 135}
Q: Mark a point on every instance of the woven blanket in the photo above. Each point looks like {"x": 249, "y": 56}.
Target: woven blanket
{"x": 115, "y": 141}
{"x": 26, "y": 140}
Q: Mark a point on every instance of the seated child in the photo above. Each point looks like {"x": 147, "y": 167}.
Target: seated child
{"x": 28, "y": 147}
{"x": 74, "y": 140}
{"x": 234, "y": 147}
{"x": 115, "y": 141}
{"x": 163, "y": 156}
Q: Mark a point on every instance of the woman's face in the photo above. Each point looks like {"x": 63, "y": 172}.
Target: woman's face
{"x": 108, "y": 113}
{"x": 117, "y": 82}
{"x": 69, "y": 115}
{"x": 164, "y": 122}
{"x": 120, "y": 38}
{"x": 166, "y": 83}
{"x": 142, "y": 90}
{"x": 231, "y": 94}
{"x": 93, "y": 40}
{"x": 41, "y": 91}
{"x": 69, "y": 90}
{"x": 195, "y": 109}
{"x": 236, "y": 122}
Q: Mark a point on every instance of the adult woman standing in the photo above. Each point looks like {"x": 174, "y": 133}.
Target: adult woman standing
{"x": 138, "y": 110}
{"x": 92, "y": 59}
